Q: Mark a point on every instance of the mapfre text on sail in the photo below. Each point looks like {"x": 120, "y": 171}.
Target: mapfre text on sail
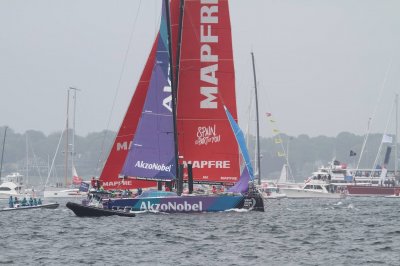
{"x": 208, "y": 60}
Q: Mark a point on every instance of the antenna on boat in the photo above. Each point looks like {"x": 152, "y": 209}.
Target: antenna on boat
{"x": 258, "y": 157}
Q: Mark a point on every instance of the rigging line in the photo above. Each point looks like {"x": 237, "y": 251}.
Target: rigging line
{"x": 54, "y": 159}
{"x": 118, "y": 86}
{"x": 384, "y": 133}
{"x": 285, "y": 151}
{"x": 373, "y": 113}
{"x": 249, "y": 119}
{"x": 35, "y": 159}
{"x": 244, "y": 80}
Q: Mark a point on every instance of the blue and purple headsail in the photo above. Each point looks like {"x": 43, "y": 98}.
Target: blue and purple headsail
{"x": 152, "y": 155}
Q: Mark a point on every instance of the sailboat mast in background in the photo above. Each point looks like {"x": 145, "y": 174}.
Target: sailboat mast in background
{"x": 395, "y": 143}
{"x": 73, "y": 131}
{"x": 258, "y": 157}
{"x": 67, "y": 149}
{"x": 2, "y": 150}
{"x": 66, "y": 141}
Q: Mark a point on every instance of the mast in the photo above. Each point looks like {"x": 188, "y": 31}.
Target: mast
{"x": 395, "y": 142}
{"x": 174, "y": 78}
{"x": 73, "y": 127}
{"x": 66, "y": 141}
{"x": 27, "y": 157}
{"x": 258, "y": 158}
{"x": 2, "y": 152}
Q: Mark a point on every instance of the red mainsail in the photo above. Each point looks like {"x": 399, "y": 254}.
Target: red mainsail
{"x": 206, "y": 83}
{"x": 116, "y": 159}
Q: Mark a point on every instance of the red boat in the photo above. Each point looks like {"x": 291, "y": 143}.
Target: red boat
{"x": 368, "y": 190}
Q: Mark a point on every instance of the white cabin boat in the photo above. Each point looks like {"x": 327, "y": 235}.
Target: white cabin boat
{"x": 12, "y": 186}
{"x": 315, "y": 189}
{"x": 8, "y": 189}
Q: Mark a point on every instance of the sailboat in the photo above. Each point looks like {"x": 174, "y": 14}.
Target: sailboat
{"x": 12, "y": 184}
{"x": 70, "y": 188}
{"x": 181, "y": 124}
{"x": 380, "y": 181}
{"x": 267, "y": 190}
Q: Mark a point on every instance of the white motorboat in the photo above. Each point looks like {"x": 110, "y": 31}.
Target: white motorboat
{"x": 270, "y": 191}
{"x": 8, "y": 189}
{"x": 315, "y": 189}
{"x": 12, "y": 186}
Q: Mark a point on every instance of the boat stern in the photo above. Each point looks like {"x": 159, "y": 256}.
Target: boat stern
{"x": 253, "y": 202}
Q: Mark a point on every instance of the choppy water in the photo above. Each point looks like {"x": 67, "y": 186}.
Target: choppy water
{"x": 362, "y": 231}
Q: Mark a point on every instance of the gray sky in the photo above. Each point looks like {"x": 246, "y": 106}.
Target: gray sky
{"x": 320, "y": 63}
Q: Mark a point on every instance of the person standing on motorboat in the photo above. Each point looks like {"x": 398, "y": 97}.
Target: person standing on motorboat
{"x": 24, "y": 202}
{"x": 30, "y": 201}
{"x": 93, "y": 183}
{"x": 11, "y": 202}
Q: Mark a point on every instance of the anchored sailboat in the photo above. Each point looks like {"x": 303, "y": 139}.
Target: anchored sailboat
{"x": 72, "y": 181}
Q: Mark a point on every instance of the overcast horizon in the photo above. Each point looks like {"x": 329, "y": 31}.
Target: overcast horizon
{"x": 323, "y": 67}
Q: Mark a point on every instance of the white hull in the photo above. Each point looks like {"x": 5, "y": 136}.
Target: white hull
{"x": 18, "y": 195}
{"x": 274, "y": 195}
{"x": 5, "y": 195}
{"x": 9, "y": 188}
{"x": 306, "y": 193}
{"x": 66, "y": 193}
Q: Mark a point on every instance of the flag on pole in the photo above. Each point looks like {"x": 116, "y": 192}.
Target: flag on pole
{"x": 387, "y": 139}
{"x": 268, "y": 114}
{"x": 272, "y": 121}
{"x": 84, "y": 187}
{"x": 278, "y": 140}
{"x": 281, "y": 154}
{"x": 275, "y": 130}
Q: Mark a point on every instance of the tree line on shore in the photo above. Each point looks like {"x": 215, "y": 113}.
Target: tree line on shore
{"x": 33, "y": 152}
